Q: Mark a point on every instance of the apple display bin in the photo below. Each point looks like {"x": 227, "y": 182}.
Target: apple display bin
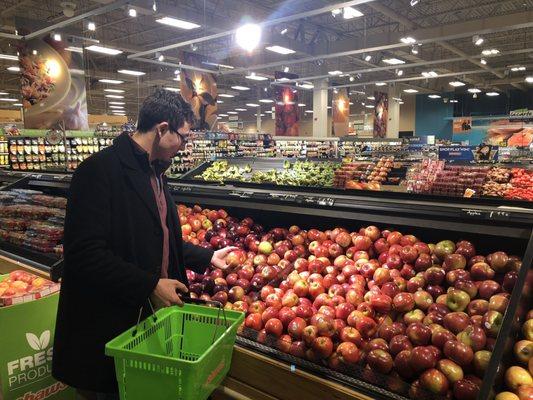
{"x": 488, "y": 224}
{"x": 179, "y": 353}
{"x": 26, "y": 348}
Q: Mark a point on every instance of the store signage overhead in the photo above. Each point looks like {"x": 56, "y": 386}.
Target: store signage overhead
{"x": 467, "y": 154}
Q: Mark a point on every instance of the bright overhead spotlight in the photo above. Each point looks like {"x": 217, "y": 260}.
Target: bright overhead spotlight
{"x": 9, "y": 57}
{"x": 132, "y": 12}
{"x": 232, "y": 112}
{"x": 104, "y": 50}
{"x": 492, "y": 94}
{"x": 8, "y": 99}
{"x": 252, "y": 105}
{"x": 226, "y": 95}
{"x": 91, "y": 26}
{"x": 120, "y": 103}
{"x": 454, "y": 101}
{"x": 408, "y": 40}
{"x": 430, "y": 74}
{"x": 160, "y": 57}
{"x": 242, "y": 88}
{"x": 369, "y": 106}
{"x": 336, "y": 11}
{"x": 248, "y": 36}
{"x": 13, "y": 69}
{"x": 477, "y": 40}
{"x": 172, "y": 89}
{"x": 117, "y": 107}
{"x": 350, "y": 12}
{"x": 280, "y": 50}
{"x": 434, "y": 96}
{"x": 114, "y": 90}
{"x": 483, "y": 61}
{"x": 57, "y": 37}
{"x": 286, "y": 69}
{"x": 457, "y": 83}
{"x": 17, "y": 104}
{"x": 301, "y": 105}
{"x": 177, "y": 23}
{"x": 307, "y": 85}
{"x": 371, "y": 98}
{"x": 352, "y": 78}
{"x": 74, "y": 49}
{"x": 253, "y": 76}
{"x": 114, "y": 96}
{"x": 410, "y": 91}
{"x": 474, "y": 90}
{"x": 309, "y": 111}
{"x": 368, "y": 57}
{"x": 336, "y": 72}
{"x": 241, "y": 109}
{"x": 393, "y": 61}
{"x": 529, "y": 79}
{"x": 380, "y": 83}
{"x": 4, "y": 93}
{"x": 266, "y": 101}
{"x": 131, "y": 72}
{"x": 222, "y": 115}
{"x": 490, "y": 52}
{"x": 415, "y": 48}
{"x": 284, "y": 31}
{"x": 517, "y": 68}
{"x": 399, "y": 72}
{"x": 110, "y": 81}
{"x": 414, "y": 2}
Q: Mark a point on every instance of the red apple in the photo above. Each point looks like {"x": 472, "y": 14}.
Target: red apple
{"x": 323, "y": 346}
{"x": 488, "y": 288}
{"x": 434, "y": 381}
{"x": 297, "y": 349}
{"x": 402, "y": 364}
{"x": 399, "y": 343}
{"x": 403, "y": 302}
{"x": 254, "y": 321}
{"x": 466, "y": 389}
{"x": 458, "y": 352}
{"x": 348, "y": 352}
{"x": 423, "y": 358}
{"x": 380, "y": 361}
{"x": 456, "y": 321}
{"x": 350, "y": 334}
{"x": 481, "y": 271}
{"x": 274, "y": 327}
{"x": 423, "y": 300}
{"x": 492, "y": 322}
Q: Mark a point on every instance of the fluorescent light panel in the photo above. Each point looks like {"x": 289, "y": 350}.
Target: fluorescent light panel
{"x": 13, "y": 69}
{"x": 172, "y": 89}
{"x": 131, "y": 72}
{"x": 252, "y": 105}
{"x": 111, "y": 81}
{"x": 255, "y": 77}
{"x": 393, "y": 61}
{"x": 266, "y": 101}
{"x": 9, "y": 57}
{"x": 350, "y": 12}
{"x": 226, "y": 95}
{"x": 457, "y": 83}
{"x": 177, "y": 23}
{"x": 240, "y": 88}
{"x": 492, "y": 94}
{"x": 474, "y": 90}
{"x": 104, "y": 50}
{"x": 120, "y": 103}
{"x": 8, "y": 99}
{"x": 434, "y": 96}
{"x": 114, "y": 96}
{"x": 410, "y": 91}
{"x": 280, "y": 50}
{"x": 114, "y": 90}
{"x": 336, "y": 72}
{"x": 241, "y": 109}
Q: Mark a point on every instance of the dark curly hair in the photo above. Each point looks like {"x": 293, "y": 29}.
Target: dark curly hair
{"x": 164, "y": 106}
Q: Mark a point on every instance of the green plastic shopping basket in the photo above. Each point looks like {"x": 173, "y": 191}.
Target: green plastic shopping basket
{"x": 177, "y": 353}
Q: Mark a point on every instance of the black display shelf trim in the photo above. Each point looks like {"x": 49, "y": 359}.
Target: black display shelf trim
{"x": 28, "y": 256}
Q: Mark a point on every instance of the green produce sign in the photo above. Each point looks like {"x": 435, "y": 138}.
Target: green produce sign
{"x": 26, "y": 340}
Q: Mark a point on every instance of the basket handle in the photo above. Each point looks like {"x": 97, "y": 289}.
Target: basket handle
{"x": 139, "y": 317}
{"x": 210, "y": 303}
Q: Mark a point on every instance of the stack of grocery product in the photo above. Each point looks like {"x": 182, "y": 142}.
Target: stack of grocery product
{"x": 519, "y": 376}
{"x": 31, "y": 219}
{"x": 497, "y": 182}
{"x": 522, "y": 185}
{"x": 20, "y": 287}
{"x": 382, "y": 305}
{"x": 455, "y": 180}
{"x": 381, "y": 170}
{"x": 350, "y": 171}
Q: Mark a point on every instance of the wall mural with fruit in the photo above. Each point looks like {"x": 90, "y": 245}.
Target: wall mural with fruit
{"x": 370, "y": 303}
{"x": 340, "y": 113}
{"x": 52, "y": 85}
{"x": 286, "y": 107}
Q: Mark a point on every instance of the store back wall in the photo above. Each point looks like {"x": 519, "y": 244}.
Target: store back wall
{"x": 431, "y": 117}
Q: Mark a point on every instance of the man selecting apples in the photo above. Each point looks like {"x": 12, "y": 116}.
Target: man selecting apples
{"x": 122, "y": 245}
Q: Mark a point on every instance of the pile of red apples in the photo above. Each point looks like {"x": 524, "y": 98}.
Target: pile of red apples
{"x": 379, "y": 299}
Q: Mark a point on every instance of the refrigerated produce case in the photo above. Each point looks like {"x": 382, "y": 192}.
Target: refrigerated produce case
{"x": 490, "y": 223}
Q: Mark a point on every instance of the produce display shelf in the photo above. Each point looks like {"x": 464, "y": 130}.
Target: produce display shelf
{"x": 35, "y": 259}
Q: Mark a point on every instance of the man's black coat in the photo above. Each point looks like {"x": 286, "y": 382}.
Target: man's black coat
{"x": 113, "y": 248}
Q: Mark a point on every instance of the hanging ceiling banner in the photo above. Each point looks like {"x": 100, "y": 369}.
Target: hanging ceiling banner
{"x": 52, "y": 85}
{"x": 199, "y": 89}
{"x": 381, "y": 114}
{"x": 340, "y": 113}
{"x": 286, "y": 100}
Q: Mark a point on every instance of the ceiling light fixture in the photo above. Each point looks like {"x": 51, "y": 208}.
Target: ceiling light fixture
{"x": 529, "y": 79}
{"x": 131, "y": 72}
{"x": 91, "y": 26}
{"x": 114, "y": 90}
{"x": 111, "y": 81}
{"x": 248, "y": 36}
{"x": 13, "y": 69}
{"x": 350, "y": 12}
{"x": 309, "y": 111}
{"x": 454, "y": 101}
{"x": 225, "y": 95}
{"x": 430, "y": 74}
{"x": 117, "y": 107}
{"x": 434, "y": 96}
{"x": 57, "y": 37}
{"x": 172, "y": 89}
{"x": 280, "y": 50}
{"x": 104, "y": 50}
{"x": 222, "y": 115}
{"x": 120, "y": 103}
{"x": 474, "y": 90}
{"x": 408, "y": 40}
{"x": 393, "y": 61}
{"x": 74, "y": 49}
{"x": 177, "y": 23}
{"x": 483, "y": 61}
{"x": 492, "y": 94}
{"x": 490, "y": 52}
{"x": 518, "y": 68}
{"x": 253, "y": 76}
{"x": 336, "y": 11}
{"x": 286, "y": 69}
{"x": 220, "y": 102}
{"x": 241, "y": 109}
{"x": 415, "y": 49}
{"x": 477, "y": 40}
{"x": 114, "y": 96}
{"x": 252, "y": 105}
{"x": 399, "y": 72}
{"x": 266, "y": 101}
{"x": 307, "y": 85}
{"x": 301, "y": 105}
{"x": 9, "y": 57}
{"x": 380, "y": 83}
{"x": 160, "y": 57}
{"x": 369, "y": 106}
{"x": 410, "y": 91}
{"x": 284, "y": 31}
{"x": 352, "y": 79}
{"x": 242, "y": 88}
{"x": 132, "y": 12}
{"x": 371, "y": 98}
{"x": 336, "y": 72}
{"x": 8, "y": 99}
{"x": 414, "y": 2}
{"x": 368, "y": 57}
{"x": 232, "y": 112}
{"x": 457, "y": 83}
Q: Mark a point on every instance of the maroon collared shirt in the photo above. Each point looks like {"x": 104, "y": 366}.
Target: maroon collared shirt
{"x": 157, "y": 170}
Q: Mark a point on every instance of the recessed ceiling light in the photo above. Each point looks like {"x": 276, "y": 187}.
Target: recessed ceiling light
{"x": 252, "y": 105}
{"x": 131, "y": 72}
{"x": 415, "y": 48}
{"x": 350, "y": 12}
{"x": 286, "y": 69}
{"x": 397, "y": 98}
{"x": 132, "y": 12}
{"x": 57, "y": 37}
{"x": 408, "y": 40}
{"x": 8, "y": 57}
{"x": 474, "y": 90}
{"x": 266, "y": 101}
{"x": 307, "y": 85}
{"x": 457, "y": 83}
{"x": 492, "y": 94}
{"x": 74, "y": 49}
{"x": 477, "y": 40}
{"x": 283, "y": 79}
{"x": 4, "y": 93}
{"x": 17, "y": 104}
{"x": 284, "y": 31}
{"x": 177, "y": 23}
{"x": 110, "y": 81}
{"x": 399, "y": 72}
{"x": 268, "y": 112}
{"x": 119, "y": 107}
{"x": 226, "y": 95}
{"x": 261, "y": 115}
{"x": 517, "y": 68}
{"x": 241, "y": 109}
{"x": 368, "y": 57}
{"x": 13, "y": 69}
{"x": 222, "y": 115}
{"x": 483, "y": 61}
{"x": 232, "y": 112}
{"x": 454, "y": 101}
{"x": 434, "y": 96}
{"x": 91, "y": 26}
{"x": 172, "y": 89}
{"x": 430, "y": 74}
{"x": 104, "y": 50}
{"x": 400, "y": 102}
{"x": 393, "y": 61}
{"x": 380, "y": 83}
{"x": 248, "y": 36}
{"x": 114, "y": 90}
{"x": 8, "y": 99}
{"x": 490, "y": 52}
{"x": 336, "y": 72}
{"x": 240, "y": 88}
{"x": 309, "y": 111}
{"x": 301, "y": 105}
{"x": 529, "y": 79}
{"x": 120, "y": 103}
{"x": 280, "y": 50}
{"x": 114, "y": 96}
{"x": 410, "y": 91}
{"x": 371, "y": 98}
{"x": 220, "y": 101}
{"x": 253, "y": 76}
{"x": 369, "y": 106}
